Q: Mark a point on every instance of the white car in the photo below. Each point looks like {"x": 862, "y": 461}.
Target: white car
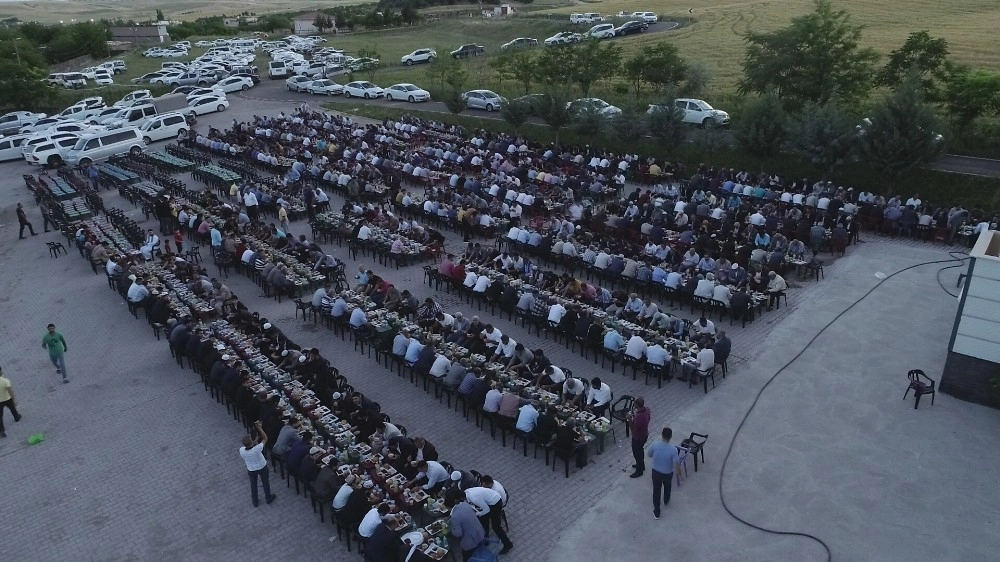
{"x": 564, "y": 38}
{"x": 420, "y": 55}
{"x": 407, "y": 92}
{"x": 298, "y": 83}
{"x": 234, "y": 84}
{"x": 602, "y": 31}
{"x": 698, "y": 112}
{"x": 104, "y": 79}
{"x": 32, "y": 141}
{"x": 50, "y": 153}
{"x": 203, "y": 44}
{"x": 43, "y": 125}
{"x": 519, "y": 43}
{"x": 598, "y": 105}
{"x": 132, "y": 96}
{"x": 482, "y": 99}
{"x": 363, "y": 89}
{"x": 199, "y": 92}
{"x": 105, "y": 114}
{"x": 208, "y": 104}
{"x": 324, "y": 86}
{"x": 10, "y": 147}
{"x": 648, "y": 17}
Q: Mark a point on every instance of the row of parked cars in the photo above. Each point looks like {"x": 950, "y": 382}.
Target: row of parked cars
{"x": 594, "y": 17}
{"x": 102, "y": 75}
{"x": 358, "y": 88}
{"x": 89, "y": 130}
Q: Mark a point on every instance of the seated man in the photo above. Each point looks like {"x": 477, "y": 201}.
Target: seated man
{"x": 568, "y": 438}
{"x": 598, "y": 397}
{"x": 551, "y": 378}
{"x": 573, "y": 391}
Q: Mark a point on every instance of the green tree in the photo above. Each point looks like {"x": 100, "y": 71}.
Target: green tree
{"x": 818, "y": 57}
{"x": 555, "y": 68}
{"x": 970, "y": 94}
{"x": 522, "y": 68}
{"x": 159, "y": 15}
{"x": 551, "y": 107}
{"x": 665, "y": 123}
{"x": 274, "y": 22}
{"x": 929, "y": 55}
{"x": 709, "y": 141}
{"x": 443, "y": 69}
{"x": 453, "y": 101}
{"x": 515, "y": 113}
{"x": 322, "y": 22}
{"x": 663, "y": 66}
{"x": 900, "y": 136}
{"x": 587, "y": 121}
{"x": 593, "y": 61}
{"x": 628, "y": 126}
{"x": 822, "y": 136}
{"x": 22, "y": 87}
{"x": 409, "y": 13}
{"x": 696, "y": 80}
{"x": 23, "y": 51}
{"x": 761, "y": 129}
{"x": 371, "y": 68}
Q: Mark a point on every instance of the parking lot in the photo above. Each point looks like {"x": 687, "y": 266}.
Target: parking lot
{"x": 138, "y": 463}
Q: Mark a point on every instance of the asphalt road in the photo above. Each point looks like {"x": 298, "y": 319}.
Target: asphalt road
{"x": 275, "y": 91}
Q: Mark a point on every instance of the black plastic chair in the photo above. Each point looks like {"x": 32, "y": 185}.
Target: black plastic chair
{"x": 920, "y": 384}
{"x": 695, "y": 443}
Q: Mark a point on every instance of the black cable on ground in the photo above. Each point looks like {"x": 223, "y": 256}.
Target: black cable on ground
{"x": 732, "y": 442}
{"x": 965, "y": 256}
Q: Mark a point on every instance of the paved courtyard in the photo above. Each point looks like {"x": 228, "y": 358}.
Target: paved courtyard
{"x": 139, "y": 463}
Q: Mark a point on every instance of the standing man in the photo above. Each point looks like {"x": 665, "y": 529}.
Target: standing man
{"x": 46, "y": 216}
{"x": 664, "y": 463}
{"x": 638, "y": 419}
{"x": 22, "y": 219}
{"x": 465, "y": 526}
{"x": 252, "y": 452}
{"x": 93, "y": 173}
{"x": 489, "y": 507}
{"x": 56, "y": 344}
{"x": 6, "y": 401}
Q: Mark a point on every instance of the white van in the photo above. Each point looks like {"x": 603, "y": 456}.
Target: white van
{"x": 74, "y": 80}
{"x": 104, "y": 144}
{"x": 10, "y": 147}
{"x": 165, "y": 126}
{"x": 580, "y": 18}
{"x": 276, "y": 69}
{"x": 135, "y": 116}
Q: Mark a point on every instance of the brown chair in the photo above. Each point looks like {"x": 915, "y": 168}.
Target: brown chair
{"x": 920, "y": 384}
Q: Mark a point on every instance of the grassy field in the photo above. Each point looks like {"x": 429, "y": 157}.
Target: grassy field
{"x": 715, "y": 37}
{"x": 53, "y": 11}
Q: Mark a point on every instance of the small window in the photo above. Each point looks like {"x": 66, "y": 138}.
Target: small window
{"x": 173, "y": 120}
{"x": 92, "y": 144}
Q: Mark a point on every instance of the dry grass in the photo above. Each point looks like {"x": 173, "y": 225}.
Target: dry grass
{"x": 52, "y": 11}
{"x": 715, "y": 37}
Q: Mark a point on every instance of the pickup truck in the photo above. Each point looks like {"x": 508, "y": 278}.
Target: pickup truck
{"x": 13, "y": 121}
{"x": 470, "y": 50}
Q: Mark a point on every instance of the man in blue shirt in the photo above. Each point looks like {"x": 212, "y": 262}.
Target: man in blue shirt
{"x": 613, "y": 341}
{"x": 665, "y": 461}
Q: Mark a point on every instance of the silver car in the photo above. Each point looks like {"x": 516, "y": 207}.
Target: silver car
{"x": 482, "y": 99}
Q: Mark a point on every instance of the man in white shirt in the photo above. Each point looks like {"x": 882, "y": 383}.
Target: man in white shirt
{"x": 492, "y": 402}
{"x": 137, "y": 292}
{"x": 505, "y": 349}
{"x": 556, "y": 313}
{"x": 656, "y": 354}
{"x": 598, "y": 397}
{"x": 372, "y": 520}
{"x": 252, "y": 453}
{"x": 364, "y": 233}
{"x": 573, "y": 391}
{"x": 440, "y": 366}
{"x": 482, "y": 283}
{"x": 489, "y": 507}
{"x": 636, "y": 347}
{"x": 340, "y": 500}
{"x": 432, "y": 473}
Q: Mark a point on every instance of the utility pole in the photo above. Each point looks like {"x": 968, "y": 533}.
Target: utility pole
{"x": 17, "y": 51}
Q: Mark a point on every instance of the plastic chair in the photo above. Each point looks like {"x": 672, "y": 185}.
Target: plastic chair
{"x": 682, "y": 457}
{"x": 920, "y": 384}
{"x": 695, "y": 446}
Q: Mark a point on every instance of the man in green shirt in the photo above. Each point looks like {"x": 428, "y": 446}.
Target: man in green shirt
{"x": 56, "y": 344}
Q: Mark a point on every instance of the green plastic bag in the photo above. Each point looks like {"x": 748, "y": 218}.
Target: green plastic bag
{"x": 36, "y": 439}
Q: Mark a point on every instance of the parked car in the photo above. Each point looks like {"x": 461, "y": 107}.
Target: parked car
{"x": 36, "y": 139}
{"x": 418, "y": 56}
{"x": 105, "y": 114}
{"x": 13, "y": 121}
{"x": 648, "y": 17}
{"x": 363, "y": 89}
{"x": 10, "y": 147}
{"x": 42, "y": 124}
{"x": 363, "y": 63}
{"x": 208, "y": 104}
{"x": 192, "y": 78}
{"x": 582, "y": 18}
{"x": 164, "y": 126}
{"x": 519, "y": 43}
{"x": 407, "y": 92}
{"x": 105, "y": 144}
{"x": 531, "y": 101}
{"x": 148, "y": 77}
{"x": 234, "y": 84}
{"x": 314, "y": 69}
{"x": 698, "y": 112}
{"x": 276, "y": 69}
{"x": 298, "y": 83}
{"x": 468, "y": 50}
{"x": 185, "y": 90}
{"x": 50, "y": 153}
{"x": 324, "y": 86}
{"x": 103, "y": 79}
{"x": 132, "y": 96}
{"x": 601, "y": 31}
{"x": 482, "y": 99}
{"x": 595, "y": 104}
{"x": 631, "y": 27}
{"x": 248, "y": 71}
{"x": 564, "y": 38}
{"x": 199, "y": 92}
{"x": 74, "y": 80}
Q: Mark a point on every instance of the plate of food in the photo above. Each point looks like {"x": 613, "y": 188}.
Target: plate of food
{"x": 436, "y": 527}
